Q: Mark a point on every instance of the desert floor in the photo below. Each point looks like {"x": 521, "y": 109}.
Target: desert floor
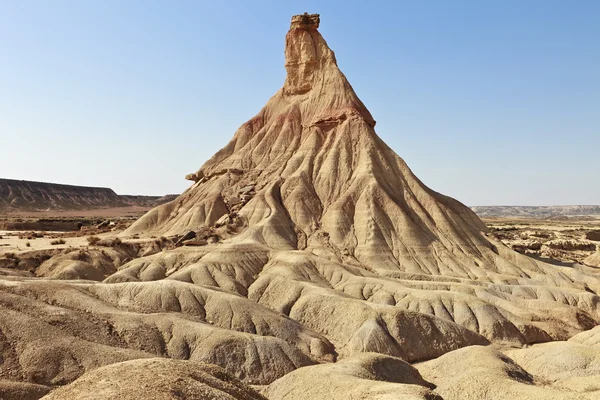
{"x": 560, "y": 239}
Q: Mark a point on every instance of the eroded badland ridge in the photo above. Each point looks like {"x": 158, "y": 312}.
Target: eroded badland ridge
{"x": 577, "y": 211}
{"x": 29, "y": 196}
{"x": 306, "y": 261}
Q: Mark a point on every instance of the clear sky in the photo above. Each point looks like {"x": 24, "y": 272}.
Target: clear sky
{"x": 490, "y": 102}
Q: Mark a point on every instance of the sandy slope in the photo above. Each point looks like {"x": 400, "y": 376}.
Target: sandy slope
{"x": 594, "y": 259}
{"x": 331, "y": 250}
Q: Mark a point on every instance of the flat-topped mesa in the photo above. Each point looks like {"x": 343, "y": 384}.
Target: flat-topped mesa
{"x": 305, "y": 21}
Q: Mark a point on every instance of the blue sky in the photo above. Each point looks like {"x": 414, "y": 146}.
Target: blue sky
{"x": 490, "y": 102}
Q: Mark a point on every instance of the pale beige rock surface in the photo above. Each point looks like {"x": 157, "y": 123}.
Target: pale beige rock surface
{"x": 594, "y": 259}
{"x": 481, "y": 373}
{"x": 52, "y": 332}
{"x": 156, "y": 378}
{"x": 11, "y": 390}
{"x": 323, "y": 246}
{"x": 364, "y": 376}
{"x": 568, "y": 366}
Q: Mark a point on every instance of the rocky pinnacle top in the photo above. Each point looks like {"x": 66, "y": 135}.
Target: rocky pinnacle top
{"x": 305, "y": 21}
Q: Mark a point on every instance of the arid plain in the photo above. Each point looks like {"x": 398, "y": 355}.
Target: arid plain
{"x": 305, "y": 261}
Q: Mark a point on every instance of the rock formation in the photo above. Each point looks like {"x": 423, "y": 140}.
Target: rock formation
{"x": 157, "y": 379}
{"x": 546, "y": 212}
{"x": 327, "y": 203}
{"x": 19, "y": 196}
{"x": 324, "y": 248}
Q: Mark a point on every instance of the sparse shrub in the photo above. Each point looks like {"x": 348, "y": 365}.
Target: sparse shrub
{"x": 114, "y": 242}
{"x": 93, "y": 240}
{"x": 162, "y": 241}
{"x": 57, "y": 241}
{"x": 552, "y": 253}
{"x": 570, "y": 245}
{"x": 28, "y": 244}
{"x": 542, "y": 234}
{"x": 504, "y": 228}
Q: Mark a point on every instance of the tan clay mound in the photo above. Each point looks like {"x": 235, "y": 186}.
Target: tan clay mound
{"x": 568, "y": 365}
{"x": 313, "y": 244}
{"x": 92, "y": 264}
{"x": 366, "y": 376}
{"x": 594, "y": 259}
{"x": 156, "y": 378}
{"x": 482, "y": 373}
{"x": 11, "y": 390}
{"x": 53, "y": 332}
{"x": 589, "y": 338}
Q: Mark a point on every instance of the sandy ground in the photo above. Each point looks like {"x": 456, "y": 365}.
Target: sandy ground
{"x": 533, "y": 223}
{"x": 22, "y": 241}
{"x": 114, "y": 212}
{"x": 512, "y": 231}
{"x": 11, "y": 243}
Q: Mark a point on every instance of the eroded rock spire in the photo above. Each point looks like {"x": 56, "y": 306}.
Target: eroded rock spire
{"x": 312, "y": 70}
{"x": 306, "y": 52}
{"x": 306, "y": 188}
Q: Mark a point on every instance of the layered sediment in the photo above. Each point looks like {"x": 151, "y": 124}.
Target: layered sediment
{"x": 330, "y": 269}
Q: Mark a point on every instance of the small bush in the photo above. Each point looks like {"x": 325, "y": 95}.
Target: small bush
{"x": 80, "y": 255}
{"x": 28, "y": 244}
{"x": 57, "y": 241}
{"x": 162, "y": 240}
{"x": 93, "y": 240}
{"x": 110, "y": 242}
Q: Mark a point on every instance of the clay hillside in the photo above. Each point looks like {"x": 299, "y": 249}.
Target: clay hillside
{"x": 18, "y": 195}
{"x": 311, "y": 264}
